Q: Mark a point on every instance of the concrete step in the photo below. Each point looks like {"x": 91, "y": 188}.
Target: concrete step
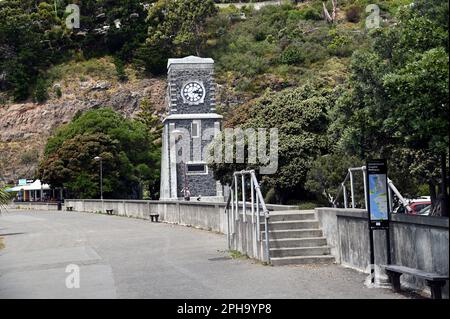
{"x": 293, "y": 233}
{"x": 292, "y": 215}
{"x": 297, "y": 242}
{"x": 279, "y": 261}
{"x": 292, "y": 224}
{"x": 300, "y": 251}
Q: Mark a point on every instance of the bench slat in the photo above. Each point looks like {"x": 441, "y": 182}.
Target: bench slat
{"x": 415, "y": 272}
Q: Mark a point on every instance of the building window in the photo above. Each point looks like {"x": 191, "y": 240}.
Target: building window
{"x": 196, "y": 169}
{"x": 195, "y": 129}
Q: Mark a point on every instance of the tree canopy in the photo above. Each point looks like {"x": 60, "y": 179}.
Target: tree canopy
{"x": 130, "y": 159}
{"x": 300, "y": 115}
{"x": 396, "y": 103}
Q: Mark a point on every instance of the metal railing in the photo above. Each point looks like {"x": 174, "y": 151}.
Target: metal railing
{"x": 343, "y": 189}
{"x": 237, "y": 211}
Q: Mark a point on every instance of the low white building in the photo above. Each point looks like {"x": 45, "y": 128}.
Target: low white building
{"x": 32, "y": 191}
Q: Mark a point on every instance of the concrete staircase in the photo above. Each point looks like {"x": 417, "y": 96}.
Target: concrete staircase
{"x": 296, "y": 238}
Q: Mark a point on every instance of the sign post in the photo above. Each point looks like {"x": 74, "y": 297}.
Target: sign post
{"x": 377, "y": 205}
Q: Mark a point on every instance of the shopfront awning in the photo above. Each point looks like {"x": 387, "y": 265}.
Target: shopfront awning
{"x": 35, "y": 186}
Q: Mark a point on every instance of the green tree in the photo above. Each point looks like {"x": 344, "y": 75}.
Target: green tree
{"x": 31, "y": 39}
{"x": 178, "y": 27}
{"x": 130, "y": 159}
{"x": 149, "y": 117}
{"x": 326, "y": 174}
{"x": 397, "y": 103}
{"x": 300, "y": 115}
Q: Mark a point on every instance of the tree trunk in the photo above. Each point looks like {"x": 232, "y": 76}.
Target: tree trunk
{"x": 433, "y": 198}
{"x": 443, "y": 191}
{"x": 435, "y": 206}
{"x": 330, "y": 18}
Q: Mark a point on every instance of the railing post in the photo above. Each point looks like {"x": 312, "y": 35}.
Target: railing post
{"x": 266, "y": 225}
{"x": 352, "y": 191}
{"x": 344, "y": 191}
{"x": 232, "y": 208}
{"x": 258, "y": 223}
{"x": 252, "y": 199}
{"x": 365, "y": 185}
{"x": 230, "y": 219}
{"x": 228, "y": 227}
{"x": 236, "y": 197}
{"x": 243, "y": 198}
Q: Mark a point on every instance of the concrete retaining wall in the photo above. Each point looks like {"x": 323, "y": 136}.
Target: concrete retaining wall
{"x": 204, "y": 215}
{"x": 33, "y": 205}
{"x": 243, "y": 237}
{"x": 420, "y": 242}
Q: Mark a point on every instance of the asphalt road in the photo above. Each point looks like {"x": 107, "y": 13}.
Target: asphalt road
{"x": 122, "y": 257}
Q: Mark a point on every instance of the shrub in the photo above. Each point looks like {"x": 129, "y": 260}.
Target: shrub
{"x": 313, "y": 52}
{"x": 353, "y": 14}
{"x": 311, "y": 13}
{"x": 293, "y": 54}
{"x": 340, "y": 45}
{"x": 260, "y": 35}
{"x": 270, "y": 38}
{"x": 40, "y": 92}
{"x": 58, "y": 91}
{"x": 120, "y": 69}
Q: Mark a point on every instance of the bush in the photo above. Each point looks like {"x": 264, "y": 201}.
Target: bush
{"x": 311, "y": 14}
{"x": 58, "y": 91}
{"x": 313, "y": 52}
{"x": 340, "y": 45}
{"x": 120, "y": 69}
{"x": 40, "y": 92}
{"x": 353, "y": 14}
{"x": 293, "y": 54}
{"x": 260, "y": 36}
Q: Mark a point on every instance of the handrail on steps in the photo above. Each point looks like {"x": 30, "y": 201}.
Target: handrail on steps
{"x": 342, "y": 189}
{"x": 258, "y": 208}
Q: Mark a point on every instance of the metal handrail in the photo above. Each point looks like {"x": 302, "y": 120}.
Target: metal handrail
{"x": 257, "y": 205}
{"x": 342, "y": 189}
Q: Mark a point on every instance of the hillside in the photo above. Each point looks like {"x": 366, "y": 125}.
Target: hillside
{"x": 25, "y": 127}
{"x": 363, "y": 79}
{"x": 272, "y": 48}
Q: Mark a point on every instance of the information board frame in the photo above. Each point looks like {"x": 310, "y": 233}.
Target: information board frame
{"x": 377, "y": 167}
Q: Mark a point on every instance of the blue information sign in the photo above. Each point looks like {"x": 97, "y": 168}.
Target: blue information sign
{"x": 377, "y": 193}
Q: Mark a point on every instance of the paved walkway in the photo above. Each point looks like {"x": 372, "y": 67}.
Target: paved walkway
{"x": 129, "y": 258}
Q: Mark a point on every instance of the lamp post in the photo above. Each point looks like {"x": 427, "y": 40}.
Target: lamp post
{"x": 99, "y": 159}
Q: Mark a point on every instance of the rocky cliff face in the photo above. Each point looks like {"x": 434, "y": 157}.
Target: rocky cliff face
{"x": 25, "y": 128}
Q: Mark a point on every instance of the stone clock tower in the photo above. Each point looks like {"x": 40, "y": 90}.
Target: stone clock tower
{"x": 191, "y": 124}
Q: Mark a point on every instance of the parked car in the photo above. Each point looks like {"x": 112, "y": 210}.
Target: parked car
{"x": 425, "y": 211}
{"x": 418, "y": 206}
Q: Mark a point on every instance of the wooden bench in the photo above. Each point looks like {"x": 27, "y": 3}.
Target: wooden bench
{"x": 69, "y": 208}
{"x": 109, "y": 211}
{"x": 433, "y": 280}
{"x": 154, "y": 217}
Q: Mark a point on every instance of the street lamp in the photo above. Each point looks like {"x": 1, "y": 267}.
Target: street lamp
{"x": 99, "y": 159}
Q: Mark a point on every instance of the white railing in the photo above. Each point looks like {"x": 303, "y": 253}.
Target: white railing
{"x": 343, "y": 189}
{"x": 243, "y": 212}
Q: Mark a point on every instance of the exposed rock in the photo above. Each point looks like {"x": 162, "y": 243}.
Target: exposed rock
{"x": 26, "y": 127}
{"x": 100, "y": 86}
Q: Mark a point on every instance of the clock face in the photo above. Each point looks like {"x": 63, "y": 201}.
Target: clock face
{"x": 193, "y": 92}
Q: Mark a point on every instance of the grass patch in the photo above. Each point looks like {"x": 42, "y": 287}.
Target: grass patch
{"x": 101, "y": 68}
{"x": 237, "y": 255}
{"x": 2, "y": 245}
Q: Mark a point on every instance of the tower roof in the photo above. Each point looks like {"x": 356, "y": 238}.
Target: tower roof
{"x": 191, "y": 59}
